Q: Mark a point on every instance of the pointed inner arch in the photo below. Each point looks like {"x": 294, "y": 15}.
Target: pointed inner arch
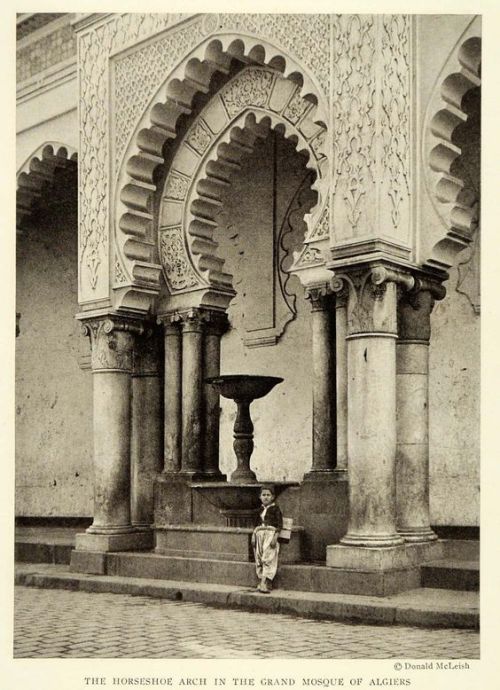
{"x": 211, "y": 153}
{"x": 240, "y": 75}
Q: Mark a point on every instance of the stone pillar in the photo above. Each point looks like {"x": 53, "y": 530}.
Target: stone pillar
{"x": 412, "y": 396}
{"x": 341, "y": 362}
{"x": 324, "y": 384}
{"x": 112, "y": 341}
{"x": 192, "y": 399}
{"x": 172, "y": 393}
{"x": 371, "y": 345}
{"x": 147, "y": 433}
{"x": 216, "y": 325}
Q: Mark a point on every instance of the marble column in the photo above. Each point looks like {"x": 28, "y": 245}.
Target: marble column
{"x": 147, "y": 429}
{"x": 324, "y": 451}
{"x": 215, "y": 326}
{"x": 112, "y": 341}
{"x": 172, "y": 393}
{"x": 412, "y": 395}
{"x": 341, "y": 362}
{"x": 371, "y": 345}
{"x": 192, "y": 394}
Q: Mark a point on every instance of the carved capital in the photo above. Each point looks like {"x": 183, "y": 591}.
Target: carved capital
{"x": 112, "y": 342}
{"x": 147, "y": 353}
{"x": 171, "y": 323}
{"x": 372, "y": 294}
{"x": 415, "y": 307}
{"x": 216, "y": 322}
{"x": 193, "y": 321}
{"x": 320, "y": 297}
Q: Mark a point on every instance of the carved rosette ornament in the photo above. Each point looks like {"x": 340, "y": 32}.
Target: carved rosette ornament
{"x": 112, "y": 343}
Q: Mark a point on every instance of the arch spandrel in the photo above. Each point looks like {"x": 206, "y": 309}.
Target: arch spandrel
{"x": 455, "y": 204}
{"x": 137, "y": 265}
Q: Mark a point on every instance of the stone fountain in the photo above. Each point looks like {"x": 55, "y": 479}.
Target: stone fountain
{"x": 238, "y": 500}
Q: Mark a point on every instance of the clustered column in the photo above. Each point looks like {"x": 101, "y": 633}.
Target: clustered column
{"x": 192, "y": 353}
{"x": 112, "y": 341}
{"x": 371, "y": 353}
{"x": 412, "y": 395}
{"x": 324, "y": 383}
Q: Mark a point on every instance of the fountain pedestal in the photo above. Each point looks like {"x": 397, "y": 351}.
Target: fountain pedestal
{"x": 243, "y": 389}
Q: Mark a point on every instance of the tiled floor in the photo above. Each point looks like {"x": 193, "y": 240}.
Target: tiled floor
{"x": 60, "y": 623}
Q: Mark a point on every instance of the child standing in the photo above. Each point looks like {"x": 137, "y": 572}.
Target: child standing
{"x": 265, "y": 539}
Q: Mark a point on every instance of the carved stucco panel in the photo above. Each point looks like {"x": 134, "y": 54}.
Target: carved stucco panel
{"x": 94, "y": 49}
{"x": 178, "y": 272}
{"x": 371, "y": 181}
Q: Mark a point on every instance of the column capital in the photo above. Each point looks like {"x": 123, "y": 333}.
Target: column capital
{"x": 193, "y": 320}
{"x": 171, "y": 323}
{"x": 216, "y": 322}
{"x": 372, "y": 293}
{"x": 320, "y": 296}
{"x": 112, "y": 341}
{"x": 147, "y": 352}
{"x": 415, "y": 307}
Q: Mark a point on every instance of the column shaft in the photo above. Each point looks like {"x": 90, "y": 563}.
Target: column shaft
{"x": 173, "y": 398}
{"x": 111, "y": 453}
{"x": 412, "y": 469}
{"x": 341, "y": 367}
{"x": 192, "y": 381}
{"x": 372, "y": 441}
{"x": 211, "y": 407}
{"x": 324, "y": 385}
{"x": 146, "y": 444}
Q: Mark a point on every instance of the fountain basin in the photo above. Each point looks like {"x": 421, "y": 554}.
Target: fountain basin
{"x": 243, "y": 386}
{"x": 239, "y": 503}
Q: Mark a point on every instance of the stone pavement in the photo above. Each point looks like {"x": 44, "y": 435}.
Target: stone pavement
{"x": 60, "y": 623}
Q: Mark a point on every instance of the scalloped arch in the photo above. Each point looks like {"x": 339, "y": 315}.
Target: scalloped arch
{"x": 189, "y": 90}
{"x": 36, "y": 175}
{"x": 453, "y": 201}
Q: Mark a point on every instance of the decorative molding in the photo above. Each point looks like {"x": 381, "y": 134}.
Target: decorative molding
{"x": 469, "y": 269}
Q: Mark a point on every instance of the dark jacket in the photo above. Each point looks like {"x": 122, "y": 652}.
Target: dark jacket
{"x": 273, "y": 517}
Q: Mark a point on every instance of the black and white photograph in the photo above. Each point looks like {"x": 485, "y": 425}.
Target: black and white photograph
{"x": 248, "y": 342}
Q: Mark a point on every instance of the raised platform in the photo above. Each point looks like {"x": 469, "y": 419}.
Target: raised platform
{"x": 219, "y": 543}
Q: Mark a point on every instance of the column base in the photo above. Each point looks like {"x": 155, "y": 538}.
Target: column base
{"x": 362, "y": 558}
{"x": 321, "y": 475}
{"x": 383, "y": 558}
{"x": 418, "y": 535}
{"x": 372, "y": 540}
{"x": 134, "y": 539}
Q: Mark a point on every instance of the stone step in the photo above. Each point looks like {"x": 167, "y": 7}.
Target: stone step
{"x": 461, "y": 549}
{"x": 451, "y": 573}
{"x": 425, "y": 607}
{"x": 297, "y": 577}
